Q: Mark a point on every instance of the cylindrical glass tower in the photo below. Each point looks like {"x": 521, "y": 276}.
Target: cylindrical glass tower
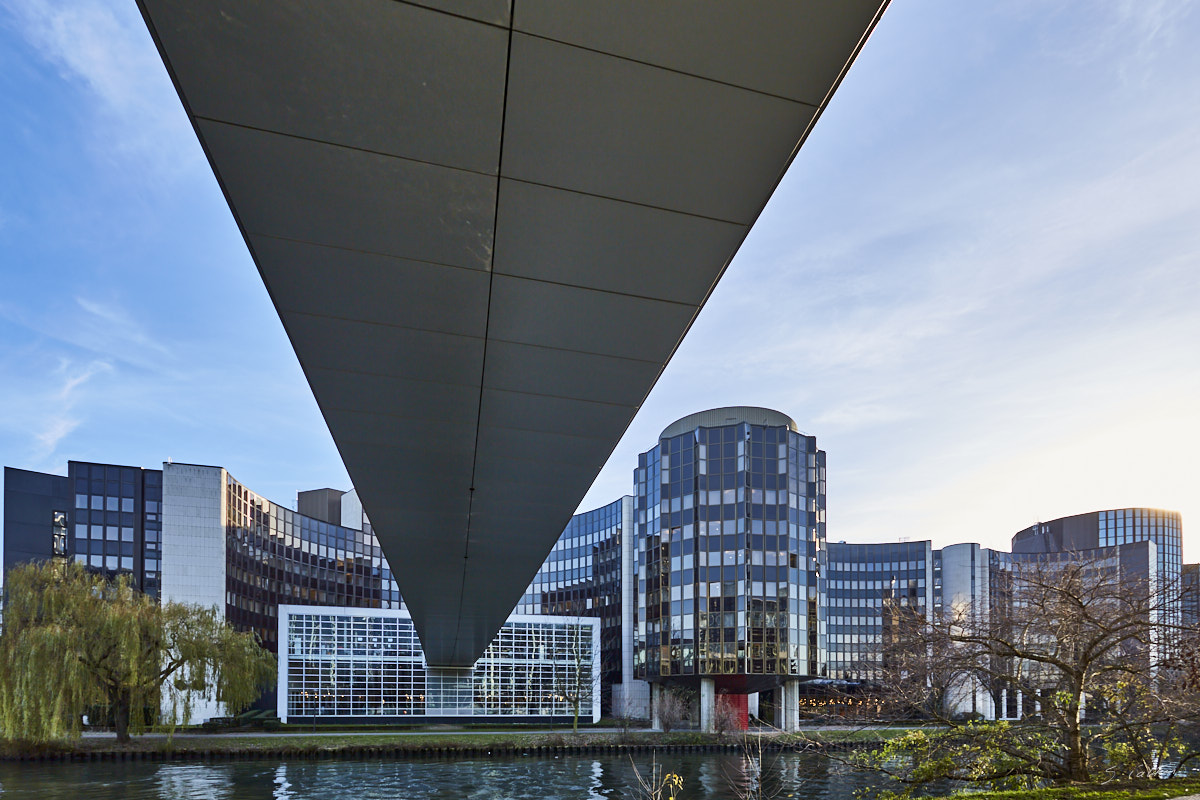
{"x": 730, "y": 552}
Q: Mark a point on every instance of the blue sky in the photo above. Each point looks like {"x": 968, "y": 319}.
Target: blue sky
{"x": 978, "y": 285}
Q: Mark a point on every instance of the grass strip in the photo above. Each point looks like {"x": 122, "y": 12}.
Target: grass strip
{"x": 1143, "y": 790}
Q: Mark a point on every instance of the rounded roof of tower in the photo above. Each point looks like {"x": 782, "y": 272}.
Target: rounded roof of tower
{"x": 731, "y": 415}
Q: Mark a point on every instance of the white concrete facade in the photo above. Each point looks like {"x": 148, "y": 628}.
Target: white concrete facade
{"x": 352, "y": 511}
{"x": 193, "y": 545}
{"x": 965, "y": 579}
{"x": 965, "y": 596}
{"x": 193, "y": 536}
{"x": 788, "y": 713}
{"x": 631, "y": 697}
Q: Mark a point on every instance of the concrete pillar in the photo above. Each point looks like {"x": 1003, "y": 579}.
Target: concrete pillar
{"x": 708, "y": 704}
{"x": 1020, "y": 704}
{"x": 655, "y": 722}
{"x": 987, "y": 705}
{"x": 790, "y": 702}
{"x": 752, "y": 705}
{"x": 1002, "y": 713}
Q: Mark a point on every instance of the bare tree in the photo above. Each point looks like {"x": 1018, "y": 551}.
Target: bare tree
{"x": 627, "y": 719}
{"x": 1064, "y": 638}
{"x": 726, "y": 718}
{"x": 671, "y": 706}
{"x": 580, "y": 682}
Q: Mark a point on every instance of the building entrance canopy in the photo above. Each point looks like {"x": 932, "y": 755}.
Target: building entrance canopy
{"x": 486, "y": 226}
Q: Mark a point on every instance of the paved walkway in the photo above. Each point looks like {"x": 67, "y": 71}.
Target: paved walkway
{"x": 465, "y": 731}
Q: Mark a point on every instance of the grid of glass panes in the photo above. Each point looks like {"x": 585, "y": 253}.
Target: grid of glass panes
{"x": 648, "y": 488}
{"x": 152, "y": 531}
{"x": 1101, "y": 567}
{"x": 937, "y": 582}
{"x": 568, "y": 579}
{"x": 275, "y": 555}
{"x": 353, "y": 666}
{"x": 117, "y": 519}
{"x": 537, "y": 668}
{"x": 871, "y": 587}
{"x": 1190, "y": 582}
{"x": 343, "y": 665}
{"x": 724, "y": 564}
{"x": 1165, "y": 529}
{"x": 582, "y": 577}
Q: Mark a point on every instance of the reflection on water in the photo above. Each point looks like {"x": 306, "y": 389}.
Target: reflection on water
{"x": 282, "y": 786}
{"x": 609, "y": 777}
{"x": 194, "y": 781}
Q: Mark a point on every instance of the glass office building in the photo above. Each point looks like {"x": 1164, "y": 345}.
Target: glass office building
{"x": 730, "y": 516}
{"x": 1112, "y": 568}
{"x": 231, "y": 547}
{"x": 276, "y": 556}
{"x": 354, "y": 665}
{"x": 1116, "y": 527}
{"x": 104, "y": 516}
{"x": 582, "y": 578}
{"x": 872, "y": 590}
{"x": 1165, "y": 529}
{"x": 38, "y": 511}
{"x": 715, "y": 571}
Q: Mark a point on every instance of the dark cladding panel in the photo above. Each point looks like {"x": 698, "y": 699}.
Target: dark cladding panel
{"x": 30, "y": 501}
{"x": 322, "y": 504}
{"x": 1080, "y": 532}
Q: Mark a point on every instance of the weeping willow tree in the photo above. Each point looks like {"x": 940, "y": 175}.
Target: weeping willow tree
{"x": 74, "y": 640}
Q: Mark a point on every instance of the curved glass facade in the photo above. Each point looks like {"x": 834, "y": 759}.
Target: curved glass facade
{"x": 730, "y": 547}
{"x": 872, "y": 588}
{"x": 277, "y": 556}
{"x": 1164, "y": 528}
{"x": 1114, "y": 528}
{"x": 582, "y": 578}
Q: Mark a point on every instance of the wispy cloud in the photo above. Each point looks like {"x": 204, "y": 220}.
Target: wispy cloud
{"x": 101, "y": 330}
{"x": 104, "y": 48}
{"x": 76, "y": 377}
{"x": 114, "y": 329}
{"x": 57, "y": 413}
{"x": 54, "y": 430}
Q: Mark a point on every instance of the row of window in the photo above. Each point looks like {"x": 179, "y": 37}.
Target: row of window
{"x": 372, "y": 666}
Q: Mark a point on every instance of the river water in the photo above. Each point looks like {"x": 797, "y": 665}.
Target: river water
{"x": 706, "y": 776}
